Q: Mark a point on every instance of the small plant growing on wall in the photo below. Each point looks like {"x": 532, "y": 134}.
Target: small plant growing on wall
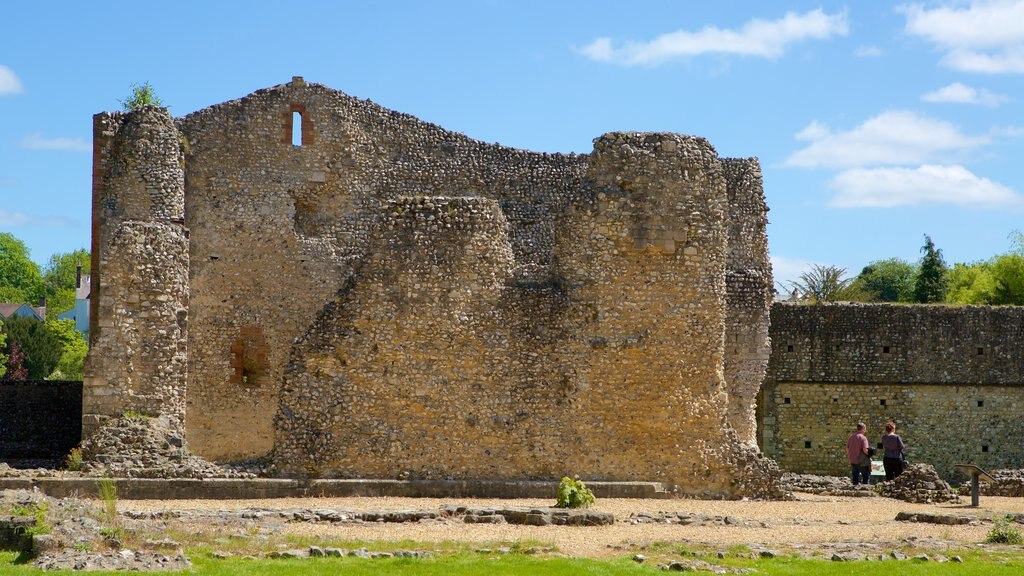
{"x": 573, "y": 493}
{"x": 142, "y": 95}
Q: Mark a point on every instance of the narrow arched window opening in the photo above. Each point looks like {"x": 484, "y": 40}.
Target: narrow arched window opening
{"x": 296, "y": 128}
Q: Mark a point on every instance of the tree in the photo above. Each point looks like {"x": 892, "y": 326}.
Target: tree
{"x": 41, "y": 348}
{"x": 142, "y": 95}
{"x": 1008, "y": 271}
{"x": 823, "y": 284}
{"x": 16, "y": 370}
{"x": 59, "y": 279}
{"x": 73, "y": 350}
{"x": 890, "y": 280}
{"x": 930, "y": 285}
{"x": 971, "y": 284}
{"x": 19, "y": 275}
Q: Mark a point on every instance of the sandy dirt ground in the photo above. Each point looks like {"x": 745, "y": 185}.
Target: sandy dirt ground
{"x": 807, "y": 521}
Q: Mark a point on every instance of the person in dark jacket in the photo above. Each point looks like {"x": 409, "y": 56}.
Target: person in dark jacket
{"x": 892, "y": 458}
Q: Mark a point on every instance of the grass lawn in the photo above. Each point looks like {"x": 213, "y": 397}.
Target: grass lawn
{"x": 470, "y": 564}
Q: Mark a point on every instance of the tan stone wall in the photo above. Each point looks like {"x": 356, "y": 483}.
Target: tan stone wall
{"x": 951, "y": 378}
{"x": 278, "y": 229}
{"x": 438, "y": 362}
{"x": 942, "y": 425}
{"x": 137, "y": 355}
{"x": 748, "y": 283}
{"x": 390, "y": 298}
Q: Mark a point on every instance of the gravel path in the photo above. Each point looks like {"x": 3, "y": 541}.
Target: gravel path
{"x": 809, "y": 520}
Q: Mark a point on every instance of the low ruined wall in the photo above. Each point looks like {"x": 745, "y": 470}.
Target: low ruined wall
{"x": 39, "y": 420}
{"x": 951, "y": 378}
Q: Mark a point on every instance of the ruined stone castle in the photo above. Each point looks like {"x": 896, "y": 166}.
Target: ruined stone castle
{"x": 383, "y": 298}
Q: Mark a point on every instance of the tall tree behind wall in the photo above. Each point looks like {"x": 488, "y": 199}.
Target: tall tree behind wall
{"x": 931, "y": 276}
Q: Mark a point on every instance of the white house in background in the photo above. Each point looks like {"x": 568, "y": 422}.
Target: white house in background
{"x": 80, "y": 313}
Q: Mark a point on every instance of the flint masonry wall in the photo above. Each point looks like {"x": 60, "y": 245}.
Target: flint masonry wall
{"x": 748, "y": 282}
{"x": 388, "y": 298}
{"x": 137, "y": 350}
{"x": 952, "y": 379}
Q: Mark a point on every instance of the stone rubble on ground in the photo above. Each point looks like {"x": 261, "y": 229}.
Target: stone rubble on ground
{"x": 919, "y": 483}
{"x": 148, "y": 447}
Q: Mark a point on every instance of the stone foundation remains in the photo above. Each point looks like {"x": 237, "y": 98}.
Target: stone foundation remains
{"x": 384, "y": 298}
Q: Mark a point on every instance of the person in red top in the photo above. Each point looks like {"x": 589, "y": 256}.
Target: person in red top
{"x": 857, "y": 454}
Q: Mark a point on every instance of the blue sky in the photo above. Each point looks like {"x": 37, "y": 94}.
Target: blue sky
{"x": 875, "y": 122}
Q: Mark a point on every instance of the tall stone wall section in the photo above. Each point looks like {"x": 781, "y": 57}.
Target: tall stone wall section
{"x": 388, "y": 298}
{"x": 137, "y": 355}
{"x": 748, "y": 286}
{"x": 952, "y": 379}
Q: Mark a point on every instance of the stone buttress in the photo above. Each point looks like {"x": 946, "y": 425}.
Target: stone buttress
{"x": 137, "y": 355}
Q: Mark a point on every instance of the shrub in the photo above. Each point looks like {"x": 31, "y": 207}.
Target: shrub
{"x": 38, "y": 510}
{"x": 1003, "y": 532}
{"x": 572, "y": 493}
{"x": 73, "y": 461}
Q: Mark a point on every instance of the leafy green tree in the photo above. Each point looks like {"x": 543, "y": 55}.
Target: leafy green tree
{"x": 19, "y": 276}
{"x": 826, "y": 284}
{"x": 42, "y": 349}
{"x": 1008, "y": 271}
{"x": 889, "y": 280}
{"x": 971, "y": 284}
{"x": 73, "y": 350}
{"x": 142, "y": 95}
{"x": 930, "y": 284}
{"x": 59, "y": 279}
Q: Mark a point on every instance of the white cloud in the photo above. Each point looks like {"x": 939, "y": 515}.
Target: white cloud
{"x": 867, "y": 52}
{"x": 760, "y": 38}
{"x": 9, "y": 83}
{"x": 984, "y": 36}
{"x": 898, "y": 137}
{"x": 958, "y": 93}
{"x": 813, "y": 131}
{"x": 11, "y": 218}
{"x": 36, "y": 141}
{"x": 928, "y": 184}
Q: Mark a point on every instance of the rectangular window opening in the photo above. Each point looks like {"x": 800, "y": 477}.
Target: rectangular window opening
{"x": 296, "y": 128}
{"x": 984, "y": 448}
{"x": 881, "y": 402}
{"x": 981, "y": 351}
{"x": 885, "y": 349}
{"x": 981, "y": 403}
{"x": 786, "y": 400}
{"x": 807, "y": 443}
{"x": 789, "y": 348}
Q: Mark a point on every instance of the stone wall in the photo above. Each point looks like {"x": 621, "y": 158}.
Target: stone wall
{"x": 137, "y": 345}
{"x": 748, "y": 283}
{"x": 387, "y": 298}
{"x": 39, "y": 420}
{"x": 951, "y": 378}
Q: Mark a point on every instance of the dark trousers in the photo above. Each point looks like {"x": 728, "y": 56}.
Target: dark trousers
{"x": 860, "y": 474}
{"x": 893, "y": 467}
